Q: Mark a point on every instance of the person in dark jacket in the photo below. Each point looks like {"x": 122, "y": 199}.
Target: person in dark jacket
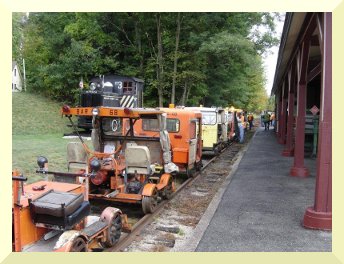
{"x": 250, "y": 120}
{"x": 266, "y": 120}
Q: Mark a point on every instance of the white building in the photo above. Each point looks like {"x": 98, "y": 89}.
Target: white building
{"x": 16, "y": 78}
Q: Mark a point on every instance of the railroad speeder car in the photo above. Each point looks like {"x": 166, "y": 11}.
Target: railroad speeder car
{"x": 54, "y": 216}
{"x": 133, "y": 169}
{"x": 185, "y": 131}
{"x": 214, "y": 128}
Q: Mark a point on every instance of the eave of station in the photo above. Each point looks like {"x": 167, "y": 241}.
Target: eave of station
{"x": 289, "y": 40}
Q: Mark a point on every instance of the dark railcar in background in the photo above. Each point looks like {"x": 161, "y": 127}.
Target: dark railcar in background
{"x": 111, "y": 91}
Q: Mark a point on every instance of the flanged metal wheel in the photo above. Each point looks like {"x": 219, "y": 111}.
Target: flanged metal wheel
{"x": 114, "y": 231}
{"x": 78, "y": 245}
{"x": 149, "y": 203}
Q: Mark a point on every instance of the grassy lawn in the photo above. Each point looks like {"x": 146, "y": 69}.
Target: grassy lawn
{"x": 36, "y": 115}
{"x": 26, "y": 149}
{"x": 37, "y": 129}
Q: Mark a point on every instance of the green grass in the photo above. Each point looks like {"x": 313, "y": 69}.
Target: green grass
{"x": 26, "y": 149}
{"x": 36, "y": 115}
{"x": 37, "y": 129}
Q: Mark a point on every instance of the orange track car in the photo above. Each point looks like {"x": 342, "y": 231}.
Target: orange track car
{"x": 133, "y": 169}
{"x": 185, "y": 131}
{"x": 54, "y": 216}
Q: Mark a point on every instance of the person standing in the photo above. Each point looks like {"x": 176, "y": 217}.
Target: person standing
{"x": 262, "y": 119}
{"x": 266, "y": 120}
{"x": 240, "y": 119}
{"x": 272, "y": 118}
{"x": 250, "y": 120}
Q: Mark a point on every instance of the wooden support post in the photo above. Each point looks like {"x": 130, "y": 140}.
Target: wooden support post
{"x": 279, "y": 118}
{"x": 289, "y": 148}
{"x": 319, "y": 216}
{"x": 299, "y": 169}
{"x": 283, "y": 114}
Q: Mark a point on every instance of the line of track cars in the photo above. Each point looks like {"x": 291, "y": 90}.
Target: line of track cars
{"x": 141, "y": 150}
{"x": 135, "y": 157}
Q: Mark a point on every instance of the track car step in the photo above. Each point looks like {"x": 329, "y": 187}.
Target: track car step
{"x": 94, "y": 228}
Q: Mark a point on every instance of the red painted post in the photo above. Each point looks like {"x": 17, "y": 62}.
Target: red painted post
{"x": 289, "y": 149}
{"x": 283, "y": 120}
{"x": 299, "y": 169}
{"x": 279, "y": 118}
{"x": 319, "y": 216}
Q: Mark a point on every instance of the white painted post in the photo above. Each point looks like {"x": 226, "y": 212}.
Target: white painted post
{"x": 24, "y": 75}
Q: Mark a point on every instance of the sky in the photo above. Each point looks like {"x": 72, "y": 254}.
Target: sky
{"x": 271, "y": 59}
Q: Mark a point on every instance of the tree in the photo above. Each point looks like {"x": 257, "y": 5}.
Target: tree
{"x": 185, "y": 58}
{"x": 18, "y": 21}
{"x": 176, "y": 60}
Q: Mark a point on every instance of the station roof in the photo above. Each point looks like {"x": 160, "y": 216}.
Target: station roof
{"x": 295, "y": 25}
{"x": 291, "y": 31}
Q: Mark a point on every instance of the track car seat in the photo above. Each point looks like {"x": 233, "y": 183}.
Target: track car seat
{"x": 76, "y": 156}
{"x": 137, "y": 159}
{"x": 59, "y": 210}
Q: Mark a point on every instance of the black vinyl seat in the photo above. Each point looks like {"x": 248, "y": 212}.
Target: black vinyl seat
{"x": 59, "y": 210}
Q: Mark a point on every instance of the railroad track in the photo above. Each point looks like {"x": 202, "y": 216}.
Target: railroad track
{"x": 128, "y": 238}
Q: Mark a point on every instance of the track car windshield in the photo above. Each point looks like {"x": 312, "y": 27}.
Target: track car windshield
{"x": 172, "y": 125}
{"x": 208, "y": 118}
{"x": 150, "y": 124}
{"x": 112, "y": 126}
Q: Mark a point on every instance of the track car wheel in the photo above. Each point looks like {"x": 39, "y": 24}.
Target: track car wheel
{"x": 149, "y": 203}
{"x": 78, "y": 245}
{"x": 114, "y": 231}
{"x": 168, "y": 191}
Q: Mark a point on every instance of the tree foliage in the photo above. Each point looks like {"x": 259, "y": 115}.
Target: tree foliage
{"x": 17, "y": 33}
{"x": 189, "y": 58}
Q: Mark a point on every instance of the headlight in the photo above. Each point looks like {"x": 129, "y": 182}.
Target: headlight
{"x": 93, "y": 86}
{"x": 95, "y": 111}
